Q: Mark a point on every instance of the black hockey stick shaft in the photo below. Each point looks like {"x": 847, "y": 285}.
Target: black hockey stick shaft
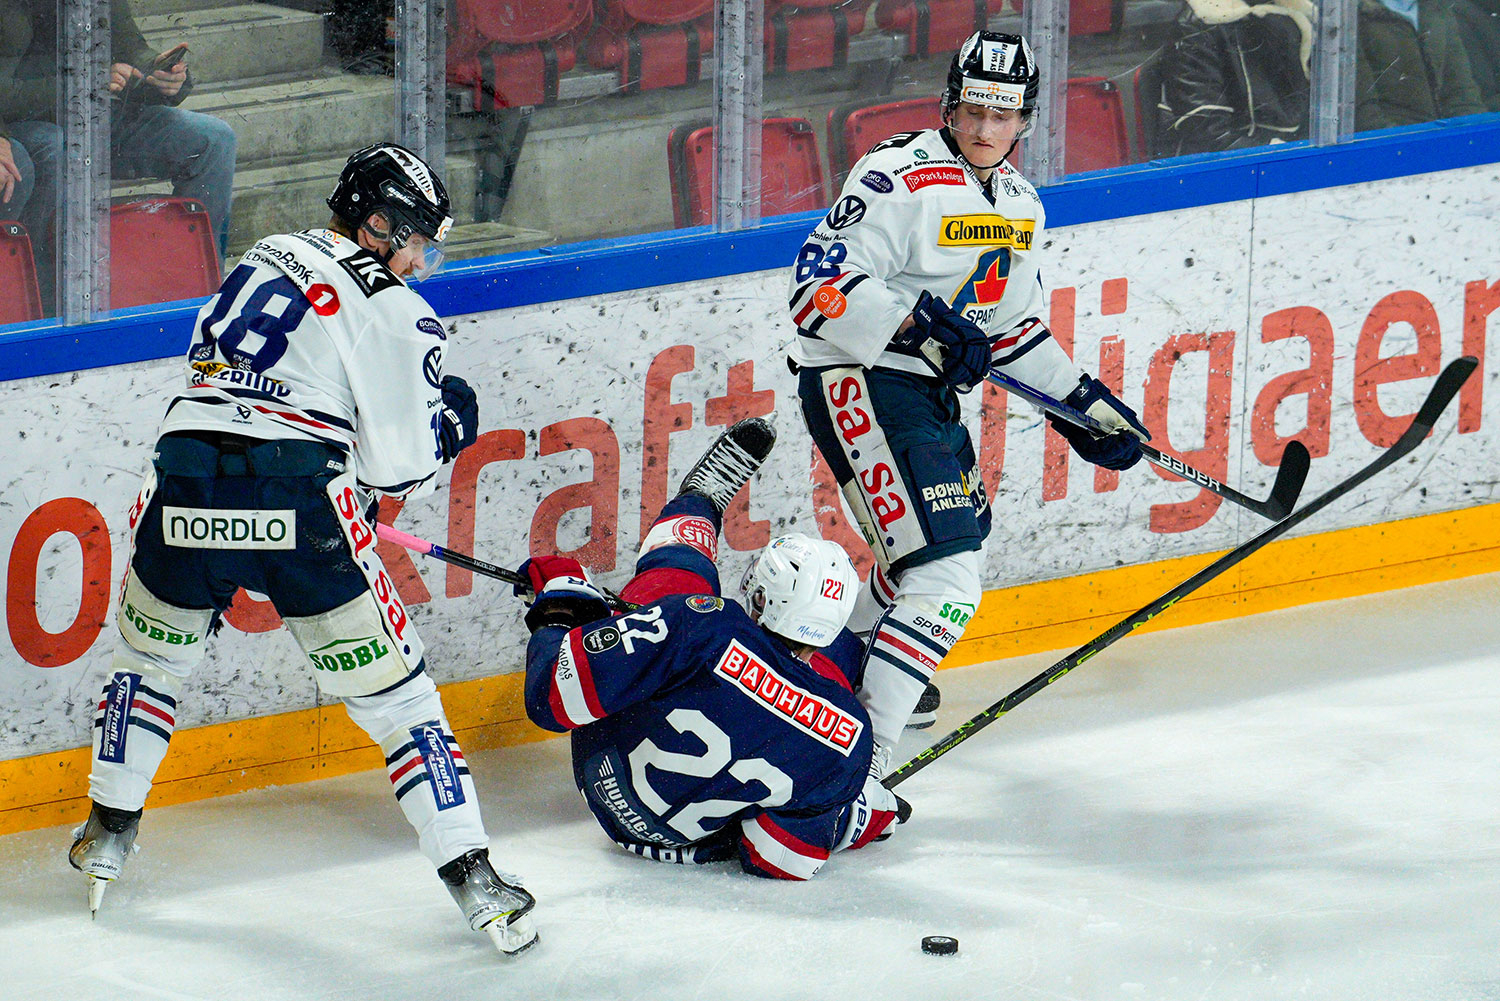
{"x": 1290, "y": 475}
{"x": 416, "y": 545}
{"x": 1441, "y": 394}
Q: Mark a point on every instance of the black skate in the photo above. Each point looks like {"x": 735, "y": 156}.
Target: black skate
{"x": 492, "y": 902}
{"x": 925, "y": 713}
{"x": 730, "y": 461}
{"x": 100, "y": 846}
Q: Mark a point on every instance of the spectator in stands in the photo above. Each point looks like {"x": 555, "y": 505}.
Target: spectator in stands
{"x": 1479, "y": 24}
{"x": 359, "y": 32}
{"x": 149, "y": 135}
{"x": 1412, "y": 65}
{"x": 1238, "y": 77}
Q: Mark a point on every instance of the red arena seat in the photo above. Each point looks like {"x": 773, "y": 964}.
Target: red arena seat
{"x": 161, "y": 250}
{"x": 934, "y": 26}
{"x": 791, "y": 178}
{"x": 853, "y": 129}
{"x": 510, "y": 55}
{"x": 653, "y": 43}
{"x": 811, "y": 34}
{"x": 1097, "y": 138}
{"x": 1094, "y": 17}
{"x": 20, "y": 299}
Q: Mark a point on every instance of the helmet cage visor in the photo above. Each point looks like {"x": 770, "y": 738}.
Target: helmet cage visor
{"x": 421, "y": 227}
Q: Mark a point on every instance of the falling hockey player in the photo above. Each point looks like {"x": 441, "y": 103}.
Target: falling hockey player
{"x": 922, "y": 277}
{"x": 703, "y": 730}
{"x": 315, "y": 382}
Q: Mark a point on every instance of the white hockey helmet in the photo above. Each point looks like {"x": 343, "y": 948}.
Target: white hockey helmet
{"x": 801, "y": 588}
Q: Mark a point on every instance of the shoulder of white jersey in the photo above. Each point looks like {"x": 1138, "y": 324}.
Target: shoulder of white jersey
{"x": 1013, "y": 184}
{"x": 902, "y": 165}
{"x": 321, "y": 255}
{"x": 324, "y": 252}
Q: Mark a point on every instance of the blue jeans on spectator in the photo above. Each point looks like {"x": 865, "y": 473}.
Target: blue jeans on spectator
{"x": 194, "y": 151}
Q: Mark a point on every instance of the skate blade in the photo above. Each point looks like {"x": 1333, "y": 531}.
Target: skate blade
{"x": 515, "y": 937}
{"x": 921, "y": 721}
{"x": 97, "y": 887}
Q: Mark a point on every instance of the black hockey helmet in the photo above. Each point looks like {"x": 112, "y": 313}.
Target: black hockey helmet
{"x": 995, "y": 69}
{"x": 392, "y": 179}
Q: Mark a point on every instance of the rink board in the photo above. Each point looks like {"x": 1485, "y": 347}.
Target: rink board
{"x": 1231, "y": 327}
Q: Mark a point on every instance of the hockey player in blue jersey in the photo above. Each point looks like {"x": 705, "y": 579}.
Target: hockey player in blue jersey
{"x": 702, "y": 730}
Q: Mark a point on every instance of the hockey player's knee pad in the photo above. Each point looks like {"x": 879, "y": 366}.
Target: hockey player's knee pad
{"x": 947, "y": 589}
{"x": 159, "y": 637}
{"x": 389, "y": 716}
{"x": 350, "y": 650}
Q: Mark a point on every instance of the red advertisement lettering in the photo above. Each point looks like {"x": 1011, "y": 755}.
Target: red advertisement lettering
{"x": 878, "y": 478}
{"x": 80, "y": 519}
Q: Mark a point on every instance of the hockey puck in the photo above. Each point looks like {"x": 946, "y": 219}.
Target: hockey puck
{"x": 939, "y": 945}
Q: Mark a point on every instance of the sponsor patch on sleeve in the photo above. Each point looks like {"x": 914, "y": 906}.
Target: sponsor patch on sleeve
{"x": 924, "y": 177}
{"x": 876, "y": 181}
{"x": 430, "y": 325}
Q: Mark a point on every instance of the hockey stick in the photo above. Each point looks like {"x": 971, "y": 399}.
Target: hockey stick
{"x": 1290, "y": 475}
{"x": 416, "y": 545}
{"x": 1442, "y": 393}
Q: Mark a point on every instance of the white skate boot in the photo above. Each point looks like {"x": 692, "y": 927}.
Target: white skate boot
{"x": 100, "y": 846}
{"x": 492, "y": 902}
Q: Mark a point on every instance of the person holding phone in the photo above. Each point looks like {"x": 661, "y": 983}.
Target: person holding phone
{"x": 150, "y": 135}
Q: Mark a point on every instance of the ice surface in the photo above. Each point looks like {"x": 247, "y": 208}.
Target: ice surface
{"x": 1304, "y": 804}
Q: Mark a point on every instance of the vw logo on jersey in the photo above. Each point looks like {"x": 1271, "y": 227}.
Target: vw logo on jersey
{"x": 849, "y": 210}
{"x": 432, "y": 368}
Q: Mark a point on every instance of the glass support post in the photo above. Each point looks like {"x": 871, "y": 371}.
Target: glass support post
{"x": 739, "y": 64}
{"x": 83, "y": 194}
{"x": 1333, "y": 72}
{"x": 1045, "y": 25}
{"x": 421, "y": 80}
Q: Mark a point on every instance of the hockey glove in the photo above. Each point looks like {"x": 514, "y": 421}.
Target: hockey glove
{"x": 458, "y": 420}
{"x": 964, "y": 349}
{"x": 872, "y": 817}
{"x": 561, "y": 594}
{"x": 1119, "y": 450}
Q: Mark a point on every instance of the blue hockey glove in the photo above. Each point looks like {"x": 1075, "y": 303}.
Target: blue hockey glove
{"x": 965, "y": 350}
{"x": 560, "y": 594}
{"x": 1118, "y": 450}
{"x": 458, "y": 420}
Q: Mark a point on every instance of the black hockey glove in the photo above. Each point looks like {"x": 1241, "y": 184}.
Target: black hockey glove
{"x": 964, "y": 355}
{"x": 458, "y": 420}
{"x": 560, "y": 594}
{"x": 1119, "y": 450}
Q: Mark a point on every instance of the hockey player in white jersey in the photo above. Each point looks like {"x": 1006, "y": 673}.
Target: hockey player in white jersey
{"x": 314, "y": 383}
{"x": 922, "y": 277}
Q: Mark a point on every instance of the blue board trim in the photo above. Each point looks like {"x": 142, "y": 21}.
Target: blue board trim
{"x": 601, "y": 267}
